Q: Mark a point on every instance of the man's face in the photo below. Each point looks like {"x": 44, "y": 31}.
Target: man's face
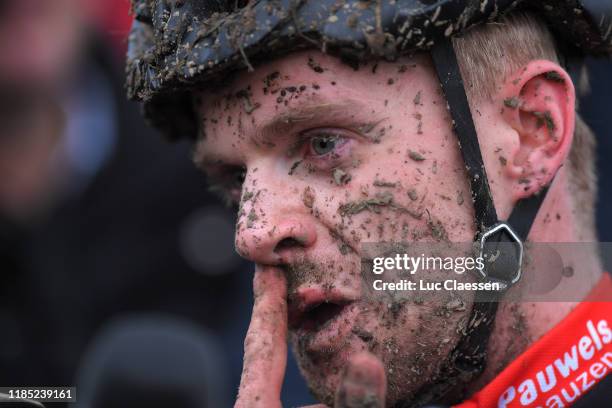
{"x": 321, "y": 159}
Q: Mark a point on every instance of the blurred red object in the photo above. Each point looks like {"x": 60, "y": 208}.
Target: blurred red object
{"x": 113, "y": 19}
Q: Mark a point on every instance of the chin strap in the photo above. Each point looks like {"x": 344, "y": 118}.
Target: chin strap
{"x": 468, "y": 359}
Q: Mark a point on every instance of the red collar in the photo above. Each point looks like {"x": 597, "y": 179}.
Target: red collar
{"x": 560, "y": 367}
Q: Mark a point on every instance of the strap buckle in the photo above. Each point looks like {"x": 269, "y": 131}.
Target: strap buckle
{"x": 502, "y": 252}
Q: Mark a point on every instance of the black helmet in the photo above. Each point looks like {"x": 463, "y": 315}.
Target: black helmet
{"x": 176, "y": 45}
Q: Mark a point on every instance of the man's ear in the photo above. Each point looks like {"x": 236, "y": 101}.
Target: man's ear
{"x": 538, "y": 102}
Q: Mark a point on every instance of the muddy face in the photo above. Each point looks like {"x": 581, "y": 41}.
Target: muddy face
{"x": 321, "y": 158}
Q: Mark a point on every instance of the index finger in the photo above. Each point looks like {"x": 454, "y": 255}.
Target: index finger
{"x": 265, "y": 345}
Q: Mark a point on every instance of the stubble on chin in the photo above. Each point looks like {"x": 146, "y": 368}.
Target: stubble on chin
{"x": 412, "y": 340}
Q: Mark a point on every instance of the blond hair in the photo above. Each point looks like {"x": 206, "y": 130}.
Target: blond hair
{"x": 490, "y": 53}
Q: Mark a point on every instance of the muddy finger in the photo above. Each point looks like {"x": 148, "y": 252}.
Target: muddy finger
{"x": 265, "y": 345}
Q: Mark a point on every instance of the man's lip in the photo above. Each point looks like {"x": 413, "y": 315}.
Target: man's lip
{"x": 311, "y": 306}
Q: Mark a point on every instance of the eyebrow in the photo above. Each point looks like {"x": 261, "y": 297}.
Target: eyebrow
{"x": 291, "y": 119}
{"x": 314, "y": 108}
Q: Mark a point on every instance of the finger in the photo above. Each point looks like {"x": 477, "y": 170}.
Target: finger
{"x": 364, "y": 383}
{"x": 265, "y": 345}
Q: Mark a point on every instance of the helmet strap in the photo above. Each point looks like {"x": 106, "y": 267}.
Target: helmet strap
{"x": 468, "y": 359}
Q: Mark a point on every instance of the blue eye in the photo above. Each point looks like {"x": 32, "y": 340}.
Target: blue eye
{"x": 322, "y": 142}
{"x": 321, "y": 145}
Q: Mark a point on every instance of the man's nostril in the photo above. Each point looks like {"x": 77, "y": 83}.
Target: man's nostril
{"x": 286, "y": 243}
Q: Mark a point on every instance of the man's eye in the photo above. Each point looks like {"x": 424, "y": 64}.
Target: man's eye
{"x": 226, "y": 182}
{"x": 322, "y": 142}
{"x": 238, "y": 176}
{"x": 321, "y": 145}
{"x": 235, "y": 180}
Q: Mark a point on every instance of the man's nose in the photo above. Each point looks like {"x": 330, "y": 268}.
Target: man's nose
{"x": 275, "y": 227}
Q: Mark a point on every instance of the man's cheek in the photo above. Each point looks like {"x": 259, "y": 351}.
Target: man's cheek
{"x": 378, "y": 213}
{"x": 386, "y": 203}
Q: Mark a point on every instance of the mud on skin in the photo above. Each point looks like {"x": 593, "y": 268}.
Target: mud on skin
{"x": 383, "y": 184}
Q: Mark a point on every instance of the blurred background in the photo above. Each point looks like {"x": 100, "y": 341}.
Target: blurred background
{"x": 118, "y": 274}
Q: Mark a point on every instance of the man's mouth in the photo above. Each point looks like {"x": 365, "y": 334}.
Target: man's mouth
{"x": 322, "y": 315}
{"x": 315, "y": 315}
